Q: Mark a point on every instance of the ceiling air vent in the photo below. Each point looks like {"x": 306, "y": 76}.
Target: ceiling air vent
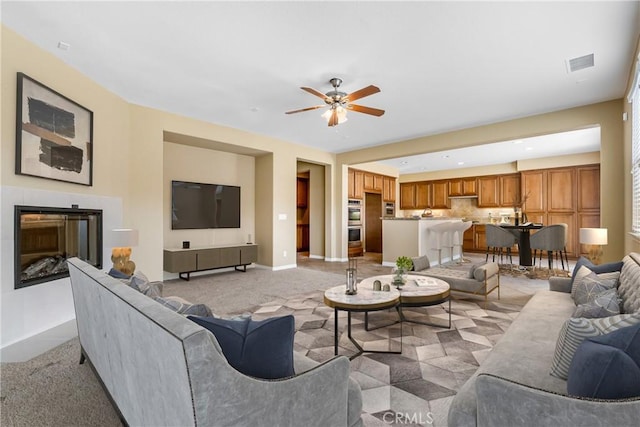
{"x": 579, "y": 63}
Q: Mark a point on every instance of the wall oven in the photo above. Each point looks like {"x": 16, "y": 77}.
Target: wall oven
{"x": 354, "y": 212}
{"x": 389, "y": 209}
{"x": 355, "y": 236}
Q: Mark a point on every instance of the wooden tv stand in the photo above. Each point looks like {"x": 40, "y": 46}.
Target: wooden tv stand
{"x": 187, "y": 261}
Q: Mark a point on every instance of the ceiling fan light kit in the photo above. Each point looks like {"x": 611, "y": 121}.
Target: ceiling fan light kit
{"x": 339, "y": 102}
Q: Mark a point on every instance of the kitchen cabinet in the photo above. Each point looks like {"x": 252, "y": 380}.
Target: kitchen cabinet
{"x": 479, "y": 237}
{"x": 408, "y": 195}
{"x": 488, "y": 192}
{"x": 463, "y": 187}
{"x": 440, "y": 195}
{"x": 560, "y": 192}
{"x": 424, "y": 195}
{"x": 302, "y": 192}
{"x": 351, "y": 183}
{"x": 467, "y": 240}
{"x": 358, "y": 185}
{"x": 588, "y": 187}
{"x": 509, "y": 190}
{"x": 534, "y": 186}
{"x": 372, "y": 182}
{"x": 388, "y": 189}
{"x": 568, "y": 218}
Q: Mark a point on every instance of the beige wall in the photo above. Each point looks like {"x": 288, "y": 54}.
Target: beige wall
{"x": 230, "y": 169}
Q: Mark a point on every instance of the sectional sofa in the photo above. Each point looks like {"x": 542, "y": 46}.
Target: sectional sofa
{"x": 513, "y": 385}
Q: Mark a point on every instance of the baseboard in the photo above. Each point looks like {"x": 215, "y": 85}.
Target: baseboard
{"x": 336, "y": 259}
{"x": 316, "y": 256}
{"x": 284, "y": 267}
{"x": 35, "y": 345}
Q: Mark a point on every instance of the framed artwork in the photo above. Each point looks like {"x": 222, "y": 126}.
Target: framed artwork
{"x": 54, "y": 135}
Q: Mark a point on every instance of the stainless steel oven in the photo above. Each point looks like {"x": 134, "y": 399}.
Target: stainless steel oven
{"x": 355, "y": 212}
{"x": 389, "y": 209}
{"x": 355, "y": 236}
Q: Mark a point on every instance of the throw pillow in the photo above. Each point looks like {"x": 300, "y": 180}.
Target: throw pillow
{"x": 472, "y": 270}
{"x": 591, "y": 284}
{"x": 183, "y": 307}
{"x": 117, "y": 274}
{"x": 604, "y": 304}
{"x": 607, "y": 367}
{"x": 261, "y": 349}
{"x": 141, "y": 283}
{"x": 602, "y": 268}
{"x": 420, "y": 263}
{"x": 576, "y": 330}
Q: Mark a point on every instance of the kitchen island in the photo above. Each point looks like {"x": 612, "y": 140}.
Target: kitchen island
{"x": 411, "y": 237}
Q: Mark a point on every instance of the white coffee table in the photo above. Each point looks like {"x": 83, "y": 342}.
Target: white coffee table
{"x": 364, "y": 301}
{"x": 418, "y": 291}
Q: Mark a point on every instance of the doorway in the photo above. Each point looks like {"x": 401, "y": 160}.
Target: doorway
{"x": 372, "y": 222}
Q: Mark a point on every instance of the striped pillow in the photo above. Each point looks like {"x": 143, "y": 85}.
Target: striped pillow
{"x": 576, "y": 330}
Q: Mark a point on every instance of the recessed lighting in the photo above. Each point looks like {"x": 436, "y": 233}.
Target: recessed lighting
{"x": 445, "y": 156}
{"x": 529, "y": 148}
{"x": 63, "y": 45}
{"x": 518, "y": 141}
{"x": 460, "y": 163}
{"x": 404, "y": 162}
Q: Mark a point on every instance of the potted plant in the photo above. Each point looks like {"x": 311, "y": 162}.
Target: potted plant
{"x": 403, "y": 265}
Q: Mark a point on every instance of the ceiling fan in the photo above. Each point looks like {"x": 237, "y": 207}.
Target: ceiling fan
{"x": 339, "y": 102}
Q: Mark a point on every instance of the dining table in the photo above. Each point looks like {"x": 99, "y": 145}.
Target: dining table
{"x": 524, "y": 242}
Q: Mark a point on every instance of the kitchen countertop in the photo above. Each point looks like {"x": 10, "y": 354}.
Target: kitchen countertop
{"x": 430, "y": 218}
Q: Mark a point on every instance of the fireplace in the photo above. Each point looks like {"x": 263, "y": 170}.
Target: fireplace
{"x": 45, "y": 237}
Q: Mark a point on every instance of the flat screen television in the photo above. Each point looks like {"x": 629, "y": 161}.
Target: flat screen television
{"x": 197, "y": 205}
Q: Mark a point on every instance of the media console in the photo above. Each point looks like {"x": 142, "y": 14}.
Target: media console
{"x": 187, "y": 261}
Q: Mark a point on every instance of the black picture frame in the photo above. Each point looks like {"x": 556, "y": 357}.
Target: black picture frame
{"x": 54, "y": 135}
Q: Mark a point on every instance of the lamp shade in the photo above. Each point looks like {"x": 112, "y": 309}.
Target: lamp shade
{"x": 593, "y": 236}
{"x": 124, "y": 237}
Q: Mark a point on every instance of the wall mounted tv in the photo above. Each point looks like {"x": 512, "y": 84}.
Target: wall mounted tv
{"x": 197, "y": 205}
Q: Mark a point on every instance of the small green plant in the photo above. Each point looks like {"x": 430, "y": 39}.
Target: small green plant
{"x": 404, "y": 263}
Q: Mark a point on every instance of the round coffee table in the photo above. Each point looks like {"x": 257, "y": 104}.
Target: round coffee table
{"x": 364, "y": 301}
{"x": 418, "y": 291}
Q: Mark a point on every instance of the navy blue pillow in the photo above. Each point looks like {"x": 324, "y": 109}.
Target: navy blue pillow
{"x": 258, "y": 348}
{"x": 602, "y": 268}
{"x": 118, "y": 274}
{"x": 608, "y": 366}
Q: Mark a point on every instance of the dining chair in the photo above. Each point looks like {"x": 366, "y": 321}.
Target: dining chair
{"x": 499, "y": 239}
{"x": 553, "y": 240}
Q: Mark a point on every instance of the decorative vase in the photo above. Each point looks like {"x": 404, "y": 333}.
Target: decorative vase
{"x": 400, "y": 277}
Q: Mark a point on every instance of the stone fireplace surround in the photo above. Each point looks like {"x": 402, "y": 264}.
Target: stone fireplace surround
{"x": 38, "y": 318}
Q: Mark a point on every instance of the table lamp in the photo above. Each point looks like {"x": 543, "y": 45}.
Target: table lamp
{"x": 594, "y": 238}
{"x": 123, "y": 239}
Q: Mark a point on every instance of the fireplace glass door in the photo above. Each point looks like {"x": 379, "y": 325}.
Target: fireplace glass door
{"x": 46, "y": 237}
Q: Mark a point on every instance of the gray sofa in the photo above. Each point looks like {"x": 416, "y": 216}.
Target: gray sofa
{"x": 160, "y": 368}
{"x": 513, "y": 385}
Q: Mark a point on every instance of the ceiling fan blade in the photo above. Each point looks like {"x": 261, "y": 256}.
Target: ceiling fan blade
{"x": 366, "y": 110}
{"x": 305, "y": 109}
{"x": 312, "y": 91}
{"x": 365, "y": 91}
{"x": 333, "y": 120}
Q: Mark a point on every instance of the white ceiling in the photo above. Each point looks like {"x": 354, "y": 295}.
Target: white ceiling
{"x": 441, "y": 66}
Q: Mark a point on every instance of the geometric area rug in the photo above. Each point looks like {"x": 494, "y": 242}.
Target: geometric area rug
{"x": 417, "y": 386}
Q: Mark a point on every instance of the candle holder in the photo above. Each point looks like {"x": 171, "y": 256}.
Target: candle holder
{"x": 352, "y": 277}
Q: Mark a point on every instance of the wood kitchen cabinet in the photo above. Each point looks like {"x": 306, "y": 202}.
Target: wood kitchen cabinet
{"x": 408, "y": 195}
{"x": 509, "y": 190}
{"x": 388, "y": 189}
{"x": 372, "y": 182}
{"x": 463, "y": 186}
{"x": 561, "y": 187}
{"x": 588, "y": 186}
{"x": 533, "y": 185}
{"x": 358, "y": 184}
{"x": 424, "y": 195}
{"x": 488, "y": 192}
{"x": 440, "y": 195}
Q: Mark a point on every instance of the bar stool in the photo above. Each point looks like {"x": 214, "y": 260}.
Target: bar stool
{"x": 442, "y": 238}
{"x": 552, "y": 238}
{"x": 458, "y": 237}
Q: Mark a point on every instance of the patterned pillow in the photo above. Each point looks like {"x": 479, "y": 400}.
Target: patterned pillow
{"x": 576, "y": 330}
{"x": 604, "y": 304}
{"x": 141, "y": 283}
{"x": 420, "y": 263}
{"x": 588, "y": 283}
{"x": 598, "y": 269}
{"x": 183, "y": 307}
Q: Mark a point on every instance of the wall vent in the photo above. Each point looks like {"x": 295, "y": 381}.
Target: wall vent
{"x": 579, "y": 63}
